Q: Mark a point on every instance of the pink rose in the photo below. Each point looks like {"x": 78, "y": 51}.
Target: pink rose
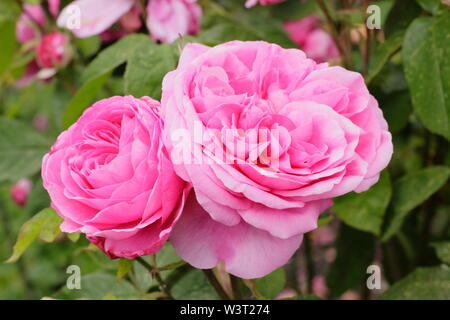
{"x": 169, "y": 19}
{"x": 20, "y": 191}
{"x": 251, "y": 3}
{"x": 53, "y": 51}
{"x": 109, "y": 176}
{"x": 308, "y": 35}
{"x": 266, "y": 137}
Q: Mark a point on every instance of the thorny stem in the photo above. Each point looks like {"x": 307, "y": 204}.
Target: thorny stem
{"x": 155, "y": 273}
{"x": 309, "y": 261}
{"x": 236, "y": 285}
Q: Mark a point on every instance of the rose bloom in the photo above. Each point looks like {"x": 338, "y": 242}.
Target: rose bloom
{"x": 315, "y": 42}
{"x": 110, "y": 177}
{"x": 323, "y": 136}
{"x": 251, "y": 3}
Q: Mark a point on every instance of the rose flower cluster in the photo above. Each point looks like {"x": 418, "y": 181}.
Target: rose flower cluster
{"x": 249, "y": 145}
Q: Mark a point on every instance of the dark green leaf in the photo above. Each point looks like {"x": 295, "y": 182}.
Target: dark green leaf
{"x": 194, "y": 286}
{"x": 431, "y": 283}
{"x": 355, "y": 252}
{"x": 365, "y": 211}
{"x": 114, "y": 56}
{"x": 89, "y": 46}
{"x": 401, "y": 15}
{"x": 21, "y": 150}
{"x": 396, "y": 109}
{"x": 146, "y": 69}
{"x": 8, "y": 43}
{"x": 426, "y": 54}
{"x": 409, "y": 192}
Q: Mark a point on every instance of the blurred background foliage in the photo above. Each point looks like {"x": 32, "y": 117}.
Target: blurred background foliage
{"x": 401, "y": 224}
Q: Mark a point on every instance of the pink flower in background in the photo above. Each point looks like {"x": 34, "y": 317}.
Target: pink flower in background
{"x": 20, "y": 191}
{"x": 110, "y": 177}
{"x": 327, "y": 135}
{"x": 95, "y": 15}
{"x": 27, "y": 27}
{"x": 314, "y": 41}
{"x": 167, "y": 20}
{"x": 251, "y": 3}
{"x": 53, "y": 51}
{"x": 131, "y": 21}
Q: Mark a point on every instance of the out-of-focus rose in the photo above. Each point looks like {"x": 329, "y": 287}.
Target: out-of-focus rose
{"x": 314, "y": 41}
{"x": 266, "y": 137}
{"x": 54, "y": 51}
{"x": 169, "y": 19}
{"x": 131, "y": 21}
{"x": 27, "y": 27}
{"x": 251, "y": 3}
{"x": 110, "y": 177}
{"x": 20, "y": 191}
{"x": 95, "y": 15}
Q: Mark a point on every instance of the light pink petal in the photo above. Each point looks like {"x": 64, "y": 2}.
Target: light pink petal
{"x": 96, "y": 15}
{"x": 247, "y": 252}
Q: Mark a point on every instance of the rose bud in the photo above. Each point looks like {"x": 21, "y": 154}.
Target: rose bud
{"x": 54, "y": 51}
{"x": 20, "y": 191}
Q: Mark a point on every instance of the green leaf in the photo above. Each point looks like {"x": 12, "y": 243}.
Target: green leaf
{"x": 383, "y": 53}
{"x": 88, "y": 46}
{"x": 409, "y": 192}
{"x": 355, "y": 252}
{"x": 114, "y": 56}
{"x": 44, "y": 225}
{"x": 194, "y": 286}
{"x": 272, "y": 284}
{"x": 432, "y": 283}
{"x": 99, "y": 286}
{"x": 442, "y": 250}
{"x": 9, "y": 10}
{"x": 219, "y": 26}
{"x": 9, "y": 44}
{"x": 83, "y": 98}
{"x": 146, "y": 69}
{"x": 365, "y": 211}
{"x": 396, "y": 109}
{"x": 401, "y": 15}
{"x": 431, "y": 6}
{"x": 21, "y": 150}
{"x": 125, "y": 265}
{"x": 426, "y": 54}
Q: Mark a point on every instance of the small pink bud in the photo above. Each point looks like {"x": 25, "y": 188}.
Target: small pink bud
{"x": 20, "y": 191}
{"x": 131, "y": 21}
{"x": 54, "y": 51}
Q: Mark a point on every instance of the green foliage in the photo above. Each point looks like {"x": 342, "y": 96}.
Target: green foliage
{"x": 365, "y": 211}
{"x": 355, "y": 252}
{"x": 272, "y": 284}
{"x": 443, "y": 250}
{"x": 431, "y": 283}
{"x": 21, "y": 149}
{"x": 44, "y": 225}
{"x": 409, "y": 192}
{"x": 426, "y": 54}
{"x": 194, "y": 286}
